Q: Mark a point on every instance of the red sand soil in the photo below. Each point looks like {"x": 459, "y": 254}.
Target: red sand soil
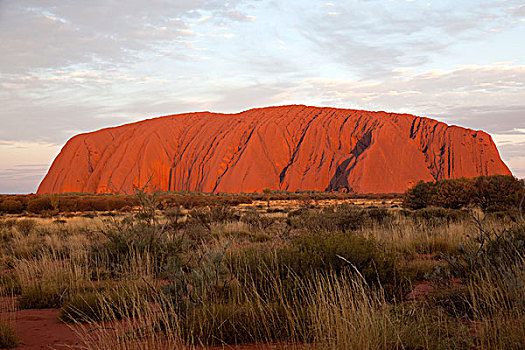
{"x": 40, "y": 329}
{"x": 280, "y": 148}
{"x": 424, "y": 288}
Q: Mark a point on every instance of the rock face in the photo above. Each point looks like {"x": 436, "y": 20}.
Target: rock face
{"x": 280, "y": 148}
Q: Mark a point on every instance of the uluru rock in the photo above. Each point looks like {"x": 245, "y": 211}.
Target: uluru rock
{"x": 280, "y": 148}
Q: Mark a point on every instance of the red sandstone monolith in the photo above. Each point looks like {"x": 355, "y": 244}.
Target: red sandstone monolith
{"x": 280, "y": 148}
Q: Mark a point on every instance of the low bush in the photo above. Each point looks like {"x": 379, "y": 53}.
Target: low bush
{"x": 339, "y": 218}
{"x": 11, "y": 206}
{"x": 311, "y": 254}
{"x": 498, "y": 192}
{"x": 456, "y": 301}
{"x": 433, "y": 216}
{"x": 39, "y": 204}
{"x": 256, "y": 220}
{"x": 233, "y": 323}
{"x": 338, "y": 252}
{"x": 140, "y": 233}
{"x": 490, "y": 250}
{"x": 207, "y": 216}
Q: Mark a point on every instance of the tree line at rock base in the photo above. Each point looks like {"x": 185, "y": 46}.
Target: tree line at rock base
{"x": 490, "y": 193}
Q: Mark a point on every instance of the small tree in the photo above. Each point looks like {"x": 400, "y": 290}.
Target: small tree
{"x": 498, "y": 192}
{"x": 419, "y": 196}
{"x": 453, "y": 193}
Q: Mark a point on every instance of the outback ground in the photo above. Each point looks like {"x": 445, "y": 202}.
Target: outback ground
{"x": 421, "y": 271}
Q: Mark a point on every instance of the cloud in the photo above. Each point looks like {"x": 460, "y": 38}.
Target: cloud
{"x": 517, "y": 11}
{"x": 518, "y": 166}
{"x": 469, "y": 95}
{"x": 509, "y": 139}
{"x": 43, "y": 34}
{"x": 374, "y": 37}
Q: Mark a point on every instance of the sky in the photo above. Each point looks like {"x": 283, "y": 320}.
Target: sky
{"x": 68, "y": 67}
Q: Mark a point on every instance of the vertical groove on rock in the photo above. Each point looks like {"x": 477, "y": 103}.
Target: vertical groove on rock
{"x": 88, "y": 157}
{"x": 296, "y": 149}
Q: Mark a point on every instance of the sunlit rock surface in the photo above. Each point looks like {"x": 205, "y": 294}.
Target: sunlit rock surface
{"x": 280, "y": 148}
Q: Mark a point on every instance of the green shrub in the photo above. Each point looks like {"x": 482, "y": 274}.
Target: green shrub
{"x": 68, "y": 204}
{"x": 247, "y": 235}
{"x": 379, "y": 215}
{"x": 8, "y": 337}
{"x": 453, "y": 193}
{"x": 139, "y": 233}
{"x": 256, "y": 220}
{"x": 419, "y": 196}
{"x": 312, "y": 254}
{"x": 207, "y": 216}
{"x": 490, "y": 193}
{"x": 498, "y": 192}
{"x": 207, "y": 279}
{"x": 331, "y": 219}
{"x": 491, "y": 251}
{"x": 338, "y": 251}
{"x": 99, "y": 203}
{"x": 118, "y": 203}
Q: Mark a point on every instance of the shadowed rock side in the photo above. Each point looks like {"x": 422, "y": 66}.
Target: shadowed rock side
{"x": 281, "y": 148}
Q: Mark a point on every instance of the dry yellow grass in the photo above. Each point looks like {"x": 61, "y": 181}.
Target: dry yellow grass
{"x": 327, "y": 311}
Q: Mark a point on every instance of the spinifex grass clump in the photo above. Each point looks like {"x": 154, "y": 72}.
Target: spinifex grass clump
{"x": 8, "y": 337}
{"x": 46, "y": 280}
{"x": 41, "y": 296}
{"x": 491, "y": 249}
{"x": 9, "y": 284}
{"x": 112, "y": 303}
{"x": 310, "y": 254}
{"x": 492, "y": 295}
{"x": 140, "y": 233}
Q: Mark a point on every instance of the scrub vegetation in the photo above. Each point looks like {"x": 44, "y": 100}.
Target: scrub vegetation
{"x": 427, "y": 275}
